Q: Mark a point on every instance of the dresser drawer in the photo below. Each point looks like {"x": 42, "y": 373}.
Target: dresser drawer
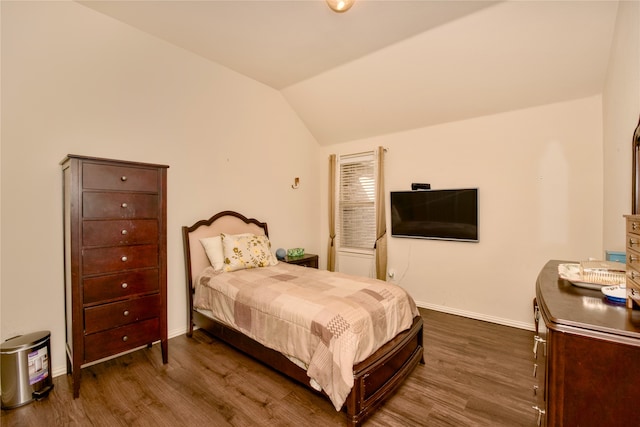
{"x": 119, "y": 205}
{"x": 108, "y": 260}
{"x": 633, "y": 258}
{"x": 633, "y": 226}
{"x": 633, "y": 242}
{"x": 633, "y": 273}
{"x": 123, "y": 232}
{"x": 123, "y": 285}
{"x": 119, "y": 178}
{"x": 107, "y": 316}
{"x": 117, "y": 340}
{"x": 633, "y": 280}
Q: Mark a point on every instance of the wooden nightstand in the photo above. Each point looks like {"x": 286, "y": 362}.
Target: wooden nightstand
{"x": 306, "y": 260}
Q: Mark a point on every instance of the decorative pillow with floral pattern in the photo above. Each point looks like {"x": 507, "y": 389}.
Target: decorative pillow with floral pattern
{"x": 246, "y": 251}
{"x": 213, "y": 248}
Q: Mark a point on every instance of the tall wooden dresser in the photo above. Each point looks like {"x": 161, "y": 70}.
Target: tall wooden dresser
{"x": 115, "y": 258}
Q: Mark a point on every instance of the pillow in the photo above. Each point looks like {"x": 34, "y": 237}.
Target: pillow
{"x": 213, "y": 248}
{"x": 246, "y": 251}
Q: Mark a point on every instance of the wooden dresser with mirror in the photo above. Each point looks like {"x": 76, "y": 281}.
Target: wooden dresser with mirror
{"x": 586, "y": 349}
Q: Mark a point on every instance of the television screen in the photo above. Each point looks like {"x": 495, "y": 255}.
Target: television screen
{"x": 435, "y": 214}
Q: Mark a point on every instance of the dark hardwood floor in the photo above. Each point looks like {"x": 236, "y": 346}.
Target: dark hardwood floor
{"x": 476, "y": 374}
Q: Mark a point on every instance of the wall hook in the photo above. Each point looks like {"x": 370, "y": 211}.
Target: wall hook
{"x": 296, "y": 183}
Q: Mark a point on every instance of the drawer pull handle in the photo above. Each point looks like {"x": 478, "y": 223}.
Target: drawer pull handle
{"x": 537, "y": 340}
{"x": 632, "y": 243}
{"x": 541, "y": 412}
{"x": 125, "y": 338}
{"x": 632, "y": 259}
{"x": 535, "y": 369}
{"x": 635, "y": 225}
{"x": 535, "y": 390}
{"x": 123, "y": 178}
{"x": 633, "y": 275}
{"x": 123, "y": 232}
{"x": 125, "y": 285}
{"x": 123, "y": 205}
{"x": 124, "y": 259}
{"x": 125, "y": 313}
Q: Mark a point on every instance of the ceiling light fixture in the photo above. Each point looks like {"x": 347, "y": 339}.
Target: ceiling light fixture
{"x": 340, "y": 5}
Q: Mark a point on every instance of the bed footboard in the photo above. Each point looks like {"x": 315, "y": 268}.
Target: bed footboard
{"x": 377, "y": 377}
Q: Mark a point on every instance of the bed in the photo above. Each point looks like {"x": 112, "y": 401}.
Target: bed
{"x": 377, "y": 369}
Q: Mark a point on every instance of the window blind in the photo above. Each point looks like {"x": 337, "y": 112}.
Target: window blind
{"x": 356, "y": 202}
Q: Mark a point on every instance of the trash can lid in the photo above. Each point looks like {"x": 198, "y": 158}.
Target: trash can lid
{"x": 22, "y": 342}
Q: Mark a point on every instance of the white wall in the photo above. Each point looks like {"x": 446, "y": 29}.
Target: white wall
{"x": 621, "y": 108}
{"x": 75, "y": 81}
{"x": 539, "y": 174}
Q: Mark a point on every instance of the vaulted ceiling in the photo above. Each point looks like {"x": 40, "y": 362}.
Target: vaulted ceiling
{"x": 386, "y": 66}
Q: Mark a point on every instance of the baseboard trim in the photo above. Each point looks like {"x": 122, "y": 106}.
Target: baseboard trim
{"x": 477, "y": 316}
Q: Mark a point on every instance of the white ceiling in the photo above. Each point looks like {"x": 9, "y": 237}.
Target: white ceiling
{"x": 386, "y": 66}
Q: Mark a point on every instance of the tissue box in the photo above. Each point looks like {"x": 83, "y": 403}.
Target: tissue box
{"x": 295, "y": 252}
{"x": 616, "y": 256}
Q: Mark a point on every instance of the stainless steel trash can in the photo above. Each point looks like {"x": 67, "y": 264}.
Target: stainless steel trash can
{"x": 25, "y": 364}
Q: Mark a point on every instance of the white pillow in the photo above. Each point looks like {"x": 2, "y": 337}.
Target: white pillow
{"x": 213, "y": 248}
{"x": 246, "y": 251}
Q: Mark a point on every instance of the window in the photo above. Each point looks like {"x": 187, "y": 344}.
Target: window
{"x": 356, "y": 216}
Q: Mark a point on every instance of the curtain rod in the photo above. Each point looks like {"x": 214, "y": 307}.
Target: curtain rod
{"x": 385, "y": 149}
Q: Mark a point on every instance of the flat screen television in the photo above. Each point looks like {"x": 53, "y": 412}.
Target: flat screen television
{"x": 435, "y": 214}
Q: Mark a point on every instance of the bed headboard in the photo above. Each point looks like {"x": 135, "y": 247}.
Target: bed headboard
{"x": 228, "y": 222}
